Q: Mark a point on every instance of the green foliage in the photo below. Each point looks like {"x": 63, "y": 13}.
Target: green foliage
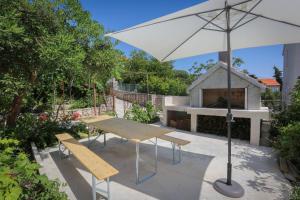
{"x": 198, "y": 69}
{"x": 295, "y": 194}
{"x": 160, "y": 77}
{"x": 288, "y": 142}
{"x": 286, "y": 129}
{"x": 165, "y": 86}
{"x": 45, "y": 43}
{"x": 291, "y": 114}
{"x": 143, "y": 115}
{"x": 31, "y": 128}
{"x": 278, "y": 75}
{"x": 81, "y": 103}
{"x": 19, "y": 178}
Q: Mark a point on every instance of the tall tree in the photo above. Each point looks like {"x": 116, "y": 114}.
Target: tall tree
{"x": 48, "y": 38}
{"x": 278, "y": 76}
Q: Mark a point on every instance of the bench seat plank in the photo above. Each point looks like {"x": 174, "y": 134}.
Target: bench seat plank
{"x": 63, "y": 136}
{"x": 177, "y": 141}
{"x": 96, "y": 165}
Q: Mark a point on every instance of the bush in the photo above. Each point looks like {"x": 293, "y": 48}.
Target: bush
{"x": 81, "y": 103}
{"x": 41, "y": 130}
{"x": 295, "y": 194}
{"x": 143, "y": 115}
{"x": 19, "y": 178}
{"x": 288, "y": 142}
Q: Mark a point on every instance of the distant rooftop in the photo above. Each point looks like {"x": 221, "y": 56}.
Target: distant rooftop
{"x": 269, "y": 82}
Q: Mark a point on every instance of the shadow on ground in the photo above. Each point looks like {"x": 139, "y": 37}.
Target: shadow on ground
{"x": 181, "y": 181}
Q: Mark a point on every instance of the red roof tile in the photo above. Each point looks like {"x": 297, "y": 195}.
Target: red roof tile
{"x": 269, "y": 82}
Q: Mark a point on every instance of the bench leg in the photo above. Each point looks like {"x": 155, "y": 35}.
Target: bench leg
{"x": 59, "y": 148}
{"x": 94, "y": 187}
{"x": 108, "y": 189}
{"x": 173, "y": 148}
{"x": 179, "y": 153}
{"x": 104, "y": 137}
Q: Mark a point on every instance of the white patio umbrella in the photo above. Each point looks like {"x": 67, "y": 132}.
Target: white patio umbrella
{"x": 214, "y": 26}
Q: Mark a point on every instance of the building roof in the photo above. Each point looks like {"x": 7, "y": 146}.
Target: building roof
{"x": 234, "y": 70}
{"x": 269, "y": 82}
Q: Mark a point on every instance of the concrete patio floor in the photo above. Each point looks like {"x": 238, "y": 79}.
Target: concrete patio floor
{"x": 204, "y": 161}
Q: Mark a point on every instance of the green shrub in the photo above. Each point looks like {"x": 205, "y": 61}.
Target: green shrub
{"x": 143, "y": 115}
{"x": 288, "y": 142}
{"x": 81, "y": 103}
{"x": 40, "y": 130}
{"x": 19, "y": 178}
{"x": 295, "y": 194}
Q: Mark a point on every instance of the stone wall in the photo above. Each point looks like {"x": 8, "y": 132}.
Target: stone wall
{"x": 86, "y": 112}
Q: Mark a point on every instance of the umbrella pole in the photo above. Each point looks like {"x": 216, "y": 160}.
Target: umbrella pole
{"x": 228, "y": 187}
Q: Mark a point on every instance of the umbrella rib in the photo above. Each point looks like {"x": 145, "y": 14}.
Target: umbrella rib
{"x": 245, "y": 23}
{"x": 192, "y": 35}
{"x": 167, "y": 20}
{"x": 211, "y": 29}
{"x": 247, "y": 13}
{"x": 216, "y": 25}
{"x": 241, "y": 3}
{"x": 269, "y": 18}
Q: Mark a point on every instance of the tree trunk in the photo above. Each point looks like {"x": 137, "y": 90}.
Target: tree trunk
{"x": 15, "y": 111}
{"x": 95, "y": 99}
{"x": 17, "y": 103}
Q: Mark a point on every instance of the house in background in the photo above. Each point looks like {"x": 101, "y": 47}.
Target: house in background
{"x": 291, "y": 70}
{"x": 207, "y": 97}
{"x": 270, "y": 83}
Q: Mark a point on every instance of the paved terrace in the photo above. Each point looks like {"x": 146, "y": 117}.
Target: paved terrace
{"x": 204, "y": 161}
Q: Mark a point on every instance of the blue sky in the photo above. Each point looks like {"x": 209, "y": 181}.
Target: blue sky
{"x": 120, "y": 14}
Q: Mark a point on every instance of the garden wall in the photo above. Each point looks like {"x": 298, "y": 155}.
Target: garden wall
{"x": 86, "y": 112}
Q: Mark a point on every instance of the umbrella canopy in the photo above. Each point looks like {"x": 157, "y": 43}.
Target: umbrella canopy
{"x": 202, "y": 28}
{"x": 218, "y": 25}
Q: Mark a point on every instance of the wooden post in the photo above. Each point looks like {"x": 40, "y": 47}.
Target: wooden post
{"x": 95, "y": 99}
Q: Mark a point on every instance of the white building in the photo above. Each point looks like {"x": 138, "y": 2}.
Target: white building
{"x": 291, "y": 70}
{"x": 207, "y": 97}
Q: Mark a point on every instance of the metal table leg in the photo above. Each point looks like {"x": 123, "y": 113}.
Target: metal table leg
{"x": 156, "y": 155}
{"x": 137, "y": 148}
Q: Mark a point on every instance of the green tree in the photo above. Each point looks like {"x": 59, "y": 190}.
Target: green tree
{"x": 278, "y": 75}
{"x": 158, "y": 77}
{"x": 198, "y": 69}
{"x": 43, "y": 38}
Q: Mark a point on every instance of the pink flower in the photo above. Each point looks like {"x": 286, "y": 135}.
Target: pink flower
{"x": 75, "y": 116}
{"x": 43, "y": 117}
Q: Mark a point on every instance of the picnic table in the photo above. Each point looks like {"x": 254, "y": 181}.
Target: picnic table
{"x": 132, "y": 131}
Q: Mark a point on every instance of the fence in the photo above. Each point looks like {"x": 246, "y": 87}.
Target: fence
{"x": 139, "y": 98}
{"x": 128, "y": 87}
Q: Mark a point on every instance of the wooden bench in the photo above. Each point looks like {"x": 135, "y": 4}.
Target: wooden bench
{"x": 175, "y": 142}
{"x": 100, "y": 169}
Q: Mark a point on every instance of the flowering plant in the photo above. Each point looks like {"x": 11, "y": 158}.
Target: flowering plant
{"x": 75, "y": 116}
{"x": 43, "y": 116}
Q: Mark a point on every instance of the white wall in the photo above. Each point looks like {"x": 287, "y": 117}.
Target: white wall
{"x": 219, "y": 80}
{"x": 291, "y": 70}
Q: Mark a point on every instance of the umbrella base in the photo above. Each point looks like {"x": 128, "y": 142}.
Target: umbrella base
{"x": 234, "y": 190}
